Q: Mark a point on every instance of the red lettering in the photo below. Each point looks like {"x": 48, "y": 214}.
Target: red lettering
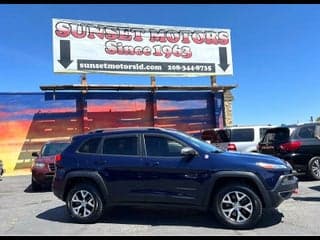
{"x": 211, "y": 38}
{"x": 157, "y": 36}
{"x": 185, "y": 37}
{"x": 124, "y": 35}
{"x": 111, "y": 47}
{"x": 147, "y": 51}
{"x": 198, "y": 37}
{"x": 137, "y": 35}
{"x": 94, "y": 31}
{"x": 157, "y": 50}
{"x": 173, "y": 36}
{"x": 111, "y": 34}
{"x": 62, "y": 29}
{"x": 75, "y": 30}
{"x": 223, "y": 38}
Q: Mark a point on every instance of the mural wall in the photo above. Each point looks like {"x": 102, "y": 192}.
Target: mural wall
{"x": 28, "y": 120}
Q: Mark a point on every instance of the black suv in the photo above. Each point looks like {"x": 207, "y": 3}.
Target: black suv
{"x": 299, "y": 145}
{"x": 162, "y": 167}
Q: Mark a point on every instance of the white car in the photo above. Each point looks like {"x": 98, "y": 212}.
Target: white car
{"x": 236, "y": 138}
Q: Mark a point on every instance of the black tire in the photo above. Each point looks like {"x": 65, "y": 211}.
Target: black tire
{"x": 35, "y": 186}
{"x": 95, "y": 207}
{"x": 314, "y": 168}
{"x": 250, "y": 216}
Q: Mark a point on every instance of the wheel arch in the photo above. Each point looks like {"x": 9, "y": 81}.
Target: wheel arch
{"x": 91, "y": 177}
{"x": 246, "y": 178}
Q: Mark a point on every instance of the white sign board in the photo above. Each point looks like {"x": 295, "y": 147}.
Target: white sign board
{"x": 86, "y": 46}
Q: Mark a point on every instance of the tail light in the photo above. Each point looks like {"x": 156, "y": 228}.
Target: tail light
{"x": 58, "y": 158}
{"x": 290, "y": 146}
{"x": 231, "y": 147}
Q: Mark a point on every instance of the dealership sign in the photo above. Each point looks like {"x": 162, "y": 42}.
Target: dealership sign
{"x": 86, "y": 46}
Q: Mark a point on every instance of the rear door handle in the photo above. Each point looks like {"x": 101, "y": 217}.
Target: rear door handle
{"x": 100, "y": 162}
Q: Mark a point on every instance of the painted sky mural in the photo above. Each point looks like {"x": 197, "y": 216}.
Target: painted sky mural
{"x": 28, "y": 120}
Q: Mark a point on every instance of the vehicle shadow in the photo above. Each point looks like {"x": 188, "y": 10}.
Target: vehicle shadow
{"x": 156, "y": 217}
{"x": 43, "y": 189}
{"x": 307, "y": 199}
{"x": 315, "y": 188}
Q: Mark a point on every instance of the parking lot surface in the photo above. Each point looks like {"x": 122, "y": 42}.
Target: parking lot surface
{"x": 24, "y": 212}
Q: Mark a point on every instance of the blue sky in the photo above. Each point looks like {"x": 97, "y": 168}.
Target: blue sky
{"x": 275, "y": 51}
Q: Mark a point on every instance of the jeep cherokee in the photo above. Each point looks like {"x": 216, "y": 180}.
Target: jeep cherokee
{"x": 163, "y": 167}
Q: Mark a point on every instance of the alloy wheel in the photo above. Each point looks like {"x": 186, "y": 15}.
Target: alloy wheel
{"x": 82, "y": 203}
{"x": 236, "y": 206}
{"x": 315, "y": 167}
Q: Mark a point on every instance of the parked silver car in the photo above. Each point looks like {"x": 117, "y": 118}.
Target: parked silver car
{"x": 236, "y": 138}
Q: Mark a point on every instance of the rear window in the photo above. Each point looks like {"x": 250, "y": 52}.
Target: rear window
{"x": 276, "y": 136}
{"x": 229, "y": 135}
{"x": 214, "y": 136}
{"x": 242, "y": 135}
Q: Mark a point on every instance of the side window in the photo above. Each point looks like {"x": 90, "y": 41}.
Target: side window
{"x": 242, "y": 135}
{"x": 121, "y": 146}
{"x": 262, "y": 131}
{"x": 90, "y": 146}
{"x": 162, "y": 147}
{"x": 306, "y": 132}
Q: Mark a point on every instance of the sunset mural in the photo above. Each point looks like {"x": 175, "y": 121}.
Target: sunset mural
{"x": 28, "y": 120}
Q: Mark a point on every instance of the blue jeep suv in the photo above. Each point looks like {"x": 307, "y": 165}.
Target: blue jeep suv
{"x": 163, "y": 167}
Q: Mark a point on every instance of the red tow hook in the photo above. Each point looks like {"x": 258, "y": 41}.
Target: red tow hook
{"x": 296, "y": 191}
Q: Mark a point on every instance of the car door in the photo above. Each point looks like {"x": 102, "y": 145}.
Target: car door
{"x": 168, "y": 176}
{"x": 121, "y": 163}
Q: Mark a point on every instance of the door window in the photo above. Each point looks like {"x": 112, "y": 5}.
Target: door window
{"x": 121, "y": 146}
{"x": 307, "y": 132}
{"x": 162, "y": 146}
{"x": 90, "y": 146}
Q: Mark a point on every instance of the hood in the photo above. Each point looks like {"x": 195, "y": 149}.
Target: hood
{"x": 46, "y": 159}
{"x": 251, "y": 157}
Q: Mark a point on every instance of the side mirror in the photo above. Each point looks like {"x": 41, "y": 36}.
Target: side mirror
{"x": 188, "y": 151}
{"x": 35, "y": 154}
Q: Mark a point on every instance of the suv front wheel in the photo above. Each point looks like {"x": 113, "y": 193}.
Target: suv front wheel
{"x": 84, "y": 203}
{"x": 237, "y": 206}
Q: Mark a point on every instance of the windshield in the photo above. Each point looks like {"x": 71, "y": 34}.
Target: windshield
{"x": 50, "y": 149}
{"x": 199, "y": 143}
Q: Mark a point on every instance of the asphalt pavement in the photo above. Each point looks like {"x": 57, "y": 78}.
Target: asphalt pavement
{"x": 24, "y": 212}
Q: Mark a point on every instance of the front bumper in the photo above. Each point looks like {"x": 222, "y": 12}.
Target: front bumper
{"x": 284, "y": 188}
{"x": 42, "y": 177}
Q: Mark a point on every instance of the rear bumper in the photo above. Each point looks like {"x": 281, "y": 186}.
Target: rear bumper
{"x": 286, "y": 185}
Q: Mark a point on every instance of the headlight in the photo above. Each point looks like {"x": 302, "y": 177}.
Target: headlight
{"x": 288, "y": 165}
{"x": 39, "y": 165}
{"x": 270, "y": 166}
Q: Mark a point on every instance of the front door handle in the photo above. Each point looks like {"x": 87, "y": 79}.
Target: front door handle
{"x": 155, "y": 164}
{"x": 191, "y": 175}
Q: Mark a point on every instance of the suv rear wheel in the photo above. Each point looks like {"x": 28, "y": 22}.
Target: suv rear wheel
{"x": 237, "y": 206}
{"x": 84, "y": 203}
{"x": 314, "y": 168}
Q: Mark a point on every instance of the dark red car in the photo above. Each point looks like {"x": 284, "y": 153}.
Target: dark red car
{"x": 43, "y": 167}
